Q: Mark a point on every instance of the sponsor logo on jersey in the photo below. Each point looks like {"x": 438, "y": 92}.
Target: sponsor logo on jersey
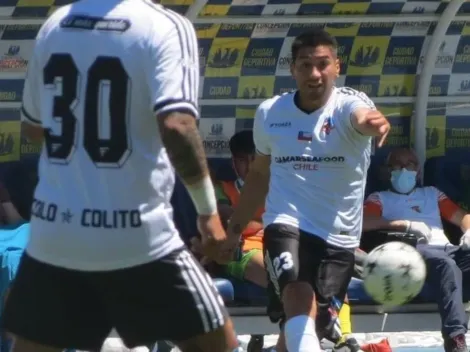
{"x": 309, "y": 163}
{"x": 96, "y": 23}
{"x": 309, "y": 159}
{"x": 280, "y": 124}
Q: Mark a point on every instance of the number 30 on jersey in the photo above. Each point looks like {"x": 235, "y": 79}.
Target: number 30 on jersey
{"x": 103, "y": 72}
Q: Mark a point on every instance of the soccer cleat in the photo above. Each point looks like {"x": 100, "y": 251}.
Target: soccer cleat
{"x": 456, "y": 344}
{"x": 349, "y": 344}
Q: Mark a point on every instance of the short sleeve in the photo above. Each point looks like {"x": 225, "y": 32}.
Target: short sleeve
{"x": 351, "y": 101}
{"x": 30, "y": 106}
{"x": 259, "y": 134}
{"x": 172, "y": 68}
{"x": 373, "y": 205}
{"x": 354, "y": 99}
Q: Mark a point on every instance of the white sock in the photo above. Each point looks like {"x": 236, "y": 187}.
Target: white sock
{"x": 300, "y": 334}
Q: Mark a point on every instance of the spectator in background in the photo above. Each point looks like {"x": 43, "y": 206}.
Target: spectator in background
{"x": 409, "y": 208}
{"x": 8, "y": 212}
{"x": 250, "y": 264}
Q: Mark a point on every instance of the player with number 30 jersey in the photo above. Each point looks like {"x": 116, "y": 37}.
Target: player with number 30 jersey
{"x": 112, "y": 90}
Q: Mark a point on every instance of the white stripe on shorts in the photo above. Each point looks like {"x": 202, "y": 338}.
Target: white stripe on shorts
{"x": 215, "y": 299}
{"x": 204, "y": 298}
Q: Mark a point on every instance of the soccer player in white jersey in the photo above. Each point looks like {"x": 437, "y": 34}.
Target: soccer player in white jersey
{"x": 113, "y": 87}
{"x": 313, "y": 153}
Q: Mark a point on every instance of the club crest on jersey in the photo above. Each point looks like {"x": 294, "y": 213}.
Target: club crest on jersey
{"x": 328, "y": 126}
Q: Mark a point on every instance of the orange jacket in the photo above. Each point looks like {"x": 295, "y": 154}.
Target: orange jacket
{"x": 252, "y": 240}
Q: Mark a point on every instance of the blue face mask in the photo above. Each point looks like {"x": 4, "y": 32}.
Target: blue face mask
{"x": 403, "y": 181}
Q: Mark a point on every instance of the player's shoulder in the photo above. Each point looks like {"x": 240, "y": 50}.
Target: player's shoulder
{"x": 276, "y": 103}
{"x": 430, "y": 191}
{"x": 163, "y": 17}
{"x": 351, "y": 95}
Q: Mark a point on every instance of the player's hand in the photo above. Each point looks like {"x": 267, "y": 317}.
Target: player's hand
{"x": 420, "y": 230}
{"x": 232, "y": 244}
{"x": 213, "y": 238}
{"x": 465, "y": 240}
{"x": 379, "y": 125}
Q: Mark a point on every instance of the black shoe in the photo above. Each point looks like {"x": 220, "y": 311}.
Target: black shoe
{"x": 348, "y": 345}
{"x": 456, "y": 344}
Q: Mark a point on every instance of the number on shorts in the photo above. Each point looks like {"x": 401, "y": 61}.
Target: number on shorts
{"x": 104, "y": 72}
{"x": 283, "y": 263}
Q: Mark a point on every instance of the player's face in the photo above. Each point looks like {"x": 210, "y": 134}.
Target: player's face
{"x": 241, "y": 164}
{"x": 315, "y": 70}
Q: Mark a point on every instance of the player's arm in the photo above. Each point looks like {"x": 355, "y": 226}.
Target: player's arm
{"x": 452, "y": 212}
{"x": 365, "y": 118}
{"x": 373, "y": 219}
{"x": 255, "y": 188}
{"x": 173, "y": 79}
{"x": 30, "y": 108}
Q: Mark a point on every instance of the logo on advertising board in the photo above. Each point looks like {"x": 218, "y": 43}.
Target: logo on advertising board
{"x": 216, "y": 133}
{"x": 12, "y": 58}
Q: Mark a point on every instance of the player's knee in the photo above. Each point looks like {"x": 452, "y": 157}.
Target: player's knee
{"x": 298, "y": 299}
{"x": 439, "y": 262}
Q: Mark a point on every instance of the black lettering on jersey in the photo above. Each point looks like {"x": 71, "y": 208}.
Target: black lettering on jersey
{"x": 110, "y": 219}
{"x": 105, "y": 71}
{"x": 95, "y": 23}
{"x": 309, "y": 159}
{"x": 43, "y": 210}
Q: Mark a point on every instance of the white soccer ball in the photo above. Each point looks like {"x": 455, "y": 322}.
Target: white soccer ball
{"x": 394, "y": 273}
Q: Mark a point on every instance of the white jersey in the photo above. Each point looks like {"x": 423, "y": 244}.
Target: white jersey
{"x": 319, "y": 165}
{"x": 100, "y": 72}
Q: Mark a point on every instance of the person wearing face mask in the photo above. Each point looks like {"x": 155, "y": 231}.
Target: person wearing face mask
{"x": 410, "y": 208}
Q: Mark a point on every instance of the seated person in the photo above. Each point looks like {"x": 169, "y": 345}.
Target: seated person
{"x": 407, "y": 207}
{"x": 250, "y": 263}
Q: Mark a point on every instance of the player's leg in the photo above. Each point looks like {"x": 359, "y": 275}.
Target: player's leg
{"x": 50, "y": 309}
{"x": 346, "y": 342}
{"x": 331, "y": 283}
{"x": 289, "y": 280}
{"x": 344, "y": 317}
{"x": 170, "y": 299}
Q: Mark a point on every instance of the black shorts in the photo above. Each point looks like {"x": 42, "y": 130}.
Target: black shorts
{"x": 169, "y": 299}
{"x": 293, "y": 255}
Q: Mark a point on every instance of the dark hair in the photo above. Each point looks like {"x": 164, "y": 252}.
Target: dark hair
{"x": 242, "y": 143}
{"x": 313, "y": 38}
